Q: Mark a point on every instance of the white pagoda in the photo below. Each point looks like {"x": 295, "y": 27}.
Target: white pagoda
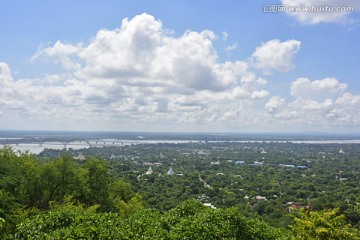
{"x": 149, "y": 171}
{"x": 170, "y": 172}
{"x": 341, "y": 151}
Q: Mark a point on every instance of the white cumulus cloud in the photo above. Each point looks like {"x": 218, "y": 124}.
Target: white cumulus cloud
{"x": 318, "y": 104}
{"x": 274, "y": 103}
{"x": 61, "y": 53}
{"x": 305, "y": 88}
{"x": 276, "y": 55}
{"x": 138, "y": 74}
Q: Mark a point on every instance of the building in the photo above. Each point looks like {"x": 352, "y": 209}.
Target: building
{"x": 149, "y": 171}
{"x": 80, "y": 157}
{"x": 170, "y": 172}
{"x": 209, "y": 205}
{"x": 287, "y": 165}
{"x": 260, "y": 198}
{"x": 239, "y": 162}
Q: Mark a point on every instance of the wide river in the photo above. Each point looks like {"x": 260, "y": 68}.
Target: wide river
{"x": 39, "y": 147}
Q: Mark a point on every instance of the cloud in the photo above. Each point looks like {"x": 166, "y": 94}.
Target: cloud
{"x": 141, "y": 77}
{"x": 142, "y": 54}
{"x": 259, "y": 94}
{"x": 318, "y": 104}
{"x": 348, "y": 100}
{"x": 232, "y": 47}
{"x": 61, "y": 53}
{"x": 275, "y": 55}
{"x": 305, "y": 88}
{"x": 322, "y": 11}
{"x": 335, "y": 112}
{"x": 138, "y": 73}
{"x": 346, "y": 111}
{"x": 5, "y": 74}
{"x": 224, "y": 35}
{"x": 274, "y": 103}
{"x": 11, "y": 93}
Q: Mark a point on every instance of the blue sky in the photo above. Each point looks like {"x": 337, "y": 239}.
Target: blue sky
{"x": 179, "y": 66}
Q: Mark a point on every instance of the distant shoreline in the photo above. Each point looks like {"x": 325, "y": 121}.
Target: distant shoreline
{"x": 38, "y": 145}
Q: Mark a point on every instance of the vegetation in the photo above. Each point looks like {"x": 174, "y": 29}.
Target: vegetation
{"x": 29, "y": 186}
{"x": 190, "y": 220}
{"x": 113, "y": 195}
{"x": 326, "y": 224}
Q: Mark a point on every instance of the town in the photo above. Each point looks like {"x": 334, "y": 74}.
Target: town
{"x": 262, "y": 179}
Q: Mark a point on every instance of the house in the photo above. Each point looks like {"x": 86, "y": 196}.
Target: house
{"x": 215, "y": 163}
{"x": 209, "y": 205}
{"x": 287, "y": 165}
{"x": 239, "y": 162}
{"x": 260, "y": 198}
{"x": 203, "y": 197}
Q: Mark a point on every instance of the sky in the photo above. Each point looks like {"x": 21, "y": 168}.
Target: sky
{"x": 180, "y": 66}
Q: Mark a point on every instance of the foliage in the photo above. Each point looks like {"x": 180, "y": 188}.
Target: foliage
{"x": 190, "y": 220}
{"x": 29, "y": 185}
{"x": 69, "y": 223}
{"x": 326, "y": 224}
{"x": 8, "y": 184}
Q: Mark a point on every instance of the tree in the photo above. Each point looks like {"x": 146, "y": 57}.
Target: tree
{"x": 8, "y": 182}
{"x": 189, "y": 220}
{"x": 98, "y": 182}
{"x": 326, "y": 224}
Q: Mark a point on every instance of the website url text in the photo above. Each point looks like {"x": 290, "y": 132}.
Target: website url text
{"x": 279, "y": 8}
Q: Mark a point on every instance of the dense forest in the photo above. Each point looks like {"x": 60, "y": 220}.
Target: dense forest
{"x": 220, "y": 190}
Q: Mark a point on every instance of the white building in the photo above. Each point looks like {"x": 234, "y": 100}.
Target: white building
{"x": 170, "y": 172}
{"x": 149, "y": 171}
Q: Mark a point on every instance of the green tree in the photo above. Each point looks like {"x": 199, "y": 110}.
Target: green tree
{"x": 325, "y": 224}
{"x": 8, "y": 183}
{"x": 98, "y": 183}
{"x": 189, "y": 220}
